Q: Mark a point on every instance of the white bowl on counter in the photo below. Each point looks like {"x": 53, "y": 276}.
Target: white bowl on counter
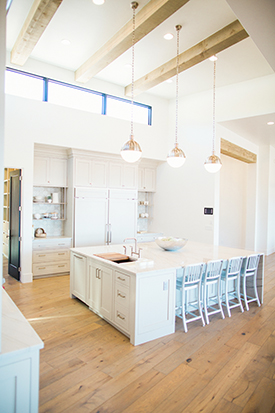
{"x": 171, "y": 243}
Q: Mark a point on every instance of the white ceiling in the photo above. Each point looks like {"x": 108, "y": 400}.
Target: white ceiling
{"x": 88, "y": 27}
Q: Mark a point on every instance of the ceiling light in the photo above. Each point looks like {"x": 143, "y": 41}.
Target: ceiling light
{"x": 213, "y": 163}
{"x": 66, "y": 42}
{"x": 176, "y": 157}
{"x": 270, "y": 123}
{"x": 213, "y": 58}
{"x": 98, "y": 2}
{"x": 131, "y": 151}
{"x": 168, "y": 36}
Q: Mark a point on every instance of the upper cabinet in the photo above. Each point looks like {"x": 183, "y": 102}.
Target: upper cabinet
{"x": 91, "y": 172}
{"x": 122, "y": 175}
{"x": 146, "y": 179}
{"x": 50, "y": 171}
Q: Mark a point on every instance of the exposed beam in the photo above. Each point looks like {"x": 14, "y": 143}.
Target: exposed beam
{"x": 221, "y": 40}
{"x": 237, "y": 152}
{"x": 38, "y": 19}
{"x": 147, "y": 19}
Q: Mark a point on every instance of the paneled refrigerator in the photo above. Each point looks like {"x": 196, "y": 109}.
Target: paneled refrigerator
{"x": 104, "y": 216}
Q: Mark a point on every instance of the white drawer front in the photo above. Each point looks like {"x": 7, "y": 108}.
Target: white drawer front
{"x": 122, "y": 295}
{"x": 50, "y": 244}
{"x": 122, "y": 317}
{"x": 49, "y": 256}
{"x": 56, "y": 268}
{"x": 122, "y": 278}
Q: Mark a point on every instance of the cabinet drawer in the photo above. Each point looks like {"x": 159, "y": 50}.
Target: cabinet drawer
{"x": 50, "y": 244}
{"x": 122, "y": 295}
{"x": 122, "y": 278}
{"x": 49, "y": 256}
{"x": 56, "y": 268}
{"x": 122, "y": 317}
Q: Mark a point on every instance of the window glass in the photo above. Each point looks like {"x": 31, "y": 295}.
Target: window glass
{"x": 122, "y": 109}
{"x": 24, "y": 85}
{"x": 64, "y": 95}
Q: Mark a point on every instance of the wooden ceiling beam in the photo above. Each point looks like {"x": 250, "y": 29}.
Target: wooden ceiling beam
{"x": 237, "y": 152}
{"x": 221, "y": 40}
{"x": 147, "y": 19}
{"x": 38, "y": 19}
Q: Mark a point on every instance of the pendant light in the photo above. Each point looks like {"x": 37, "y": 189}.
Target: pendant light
{"x": 131, "y": 151}
{"x": 213, "y": 163}
{"x": 176, "y": 157}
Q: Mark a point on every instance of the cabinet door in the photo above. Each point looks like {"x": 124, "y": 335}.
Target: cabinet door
{"x": 141, "y": 186}
{"x": 106, "y": 278}
{"x": 93, "y": 286}
{"x": 129, "y": 177}
{"x": 41, "y": 171}
{"x": 83, "y": 172}
{"x": 150, "y": 179}
{"x": 58, "y": 172}
{"x": 115, "y": 175}
{"x": 78, "y": 277}
{"x": 99, "y": 174}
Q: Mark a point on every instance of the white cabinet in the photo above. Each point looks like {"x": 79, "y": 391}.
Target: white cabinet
{"x": 91, "y": 172}
{"x": 50, "y": 256}
{"x": 99, "y": 289}
{"x": 122, "y": 301}
{"x": 78, "y": 285}
{"x": 50, "y": 171}
{"x": 122, "y": 175}
{"x": 147, "y": 179}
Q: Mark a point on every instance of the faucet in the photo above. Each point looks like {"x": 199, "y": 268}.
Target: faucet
{"x": 136, "y": 252}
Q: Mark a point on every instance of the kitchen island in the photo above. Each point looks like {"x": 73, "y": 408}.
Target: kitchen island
{"x": 138, "y": 297}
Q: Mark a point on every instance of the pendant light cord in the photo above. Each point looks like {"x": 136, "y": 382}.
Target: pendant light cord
{"x": 178, "y": 27}
{"x": 214, "y": 108}
{"x": 134, "y": 7}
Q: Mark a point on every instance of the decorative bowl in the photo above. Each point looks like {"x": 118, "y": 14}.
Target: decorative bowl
{"x": 171, "y": 243}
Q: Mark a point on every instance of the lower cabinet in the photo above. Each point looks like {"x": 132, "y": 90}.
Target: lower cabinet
{"x": 122, "y": 301}
{"x": 78, "y": 281}
{"x": 99, "y": 289}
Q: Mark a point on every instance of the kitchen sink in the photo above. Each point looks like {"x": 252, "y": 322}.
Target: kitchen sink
{"x": 117, "y": 257}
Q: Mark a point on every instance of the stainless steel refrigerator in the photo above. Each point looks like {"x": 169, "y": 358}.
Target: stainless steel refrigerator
{"x": 104, "y": 216}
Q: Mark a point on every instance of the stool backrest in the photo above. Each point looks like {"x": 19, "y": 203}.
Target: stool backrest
{"x": 192, "y": 274}
{"x": 252, "y": 263}
{"x": 234, "y": 266}
{"x": 213, "y": 270}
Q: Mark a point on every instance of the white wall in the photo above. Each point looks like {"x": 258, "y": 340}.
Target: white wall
{"x": 271, "y": 203}
{"x": 2, "y": 122}
{"x": 233, "y": 195}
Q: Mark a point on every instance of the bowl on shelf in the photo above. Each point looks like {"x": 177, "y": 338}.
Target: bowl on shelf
{"x": 171, "y": 243}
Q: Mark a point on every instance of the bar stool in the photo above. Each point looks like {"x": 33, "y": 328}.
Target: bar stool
{"x": 212, "y": 277}
{"x": 232, "y": 274}
{"x": 250, "y": 270}
{"x": 190, "y": 281}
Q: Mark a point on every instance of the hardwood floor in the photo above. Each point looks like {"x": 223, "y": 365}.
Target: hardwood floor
{"x": 88, "y": 366}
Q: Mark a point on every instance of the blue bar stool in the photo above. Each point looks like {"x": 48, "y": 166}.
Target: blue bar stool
{"x": 190, "y": 281}
{"x": 231, "y": 276}
{"x": 250, "y": 270}
{"x": 212, "y": 278}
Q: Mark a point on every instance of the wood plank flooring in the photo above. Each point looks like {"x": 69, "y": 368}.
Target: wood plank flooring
{"x": 88, "y": 366}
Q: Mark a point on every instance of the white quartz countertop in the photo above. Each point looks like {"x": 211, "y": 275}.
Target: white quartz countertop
{"x": 153, "y": 258}
{"x": 17, "y": 334}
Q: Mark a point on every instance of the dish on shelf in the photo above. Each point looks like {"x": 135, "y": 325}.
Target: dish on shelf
{"x": 171, "y": 243}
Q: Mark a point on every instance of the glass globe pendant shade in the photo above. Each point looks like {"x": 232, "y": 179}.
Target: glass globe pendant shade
{"x": 131, "y": 151}
{"x": 213, "y": 164}
{"x": 176, "y": 157}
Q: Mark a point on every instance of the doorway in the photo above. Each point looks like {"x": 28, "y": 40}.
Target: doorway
{"x": 12, "y": 221}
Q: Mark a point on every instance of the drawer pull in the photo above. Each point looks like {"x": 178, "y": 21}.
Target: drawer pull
{"x": 61, "y": 253}
{"x": 60, "y": 266}
{"x": 80, "y": 258}
{"x": 42, "y": 255}
{"x": 62, "y": 244}
{"x": 120, "y": 316}
{"x": 121, "y": 295}
{"x": 42, "y": 268}
{"x": 121, "y": 279}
